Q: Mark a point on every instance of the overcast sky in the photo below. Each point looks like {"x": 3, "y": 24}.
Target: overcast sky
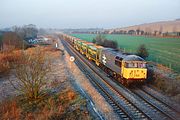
{"x": 86, "y": 13}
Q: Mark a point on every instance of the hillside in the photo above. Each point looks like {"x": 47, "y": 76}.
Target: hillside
{"x": 162, "y": 26}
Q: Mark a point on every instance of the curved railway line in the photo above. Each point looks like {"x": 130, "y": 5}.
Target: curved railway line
{"x": 128, "y": 104}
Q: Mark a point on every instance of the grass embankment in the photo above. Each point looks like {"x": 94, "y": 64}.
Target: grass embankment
{"x": 165, "y": 83}
{"x": 164, "y": 51}
{"x": 66, "y": 104}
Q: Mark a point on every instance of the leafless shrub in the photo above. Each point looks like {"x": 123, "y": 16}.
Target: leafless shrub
{"x": 170, "y": 86}
{"x": 31, "y": 73}
{"x": 64, "y": 105}
{"x": 9, "y": 110}
{"x": 6, "y": 59}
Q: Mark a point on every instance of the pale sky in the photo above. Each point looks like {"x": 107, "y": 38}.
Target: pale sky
{"x": 86, "y": 13}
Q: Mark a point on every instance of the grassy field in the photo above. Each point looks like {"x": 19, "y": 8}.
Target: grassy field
{"x": 165, "y": 51}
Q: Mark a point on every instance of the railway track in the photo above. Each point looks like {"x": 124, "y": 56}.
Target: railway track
{"x": 158, "y": 104}
{"x": 160, "y": 108}
{"x": 104, "y": 91}
{"x": 156, "y": 95}
{"x": 140, "y": 108}
{"x": 124, "y": 108}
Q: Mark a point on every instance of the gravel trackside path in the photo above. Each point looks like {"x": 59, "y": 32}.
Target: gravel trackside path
{"x": 6, "y": 89}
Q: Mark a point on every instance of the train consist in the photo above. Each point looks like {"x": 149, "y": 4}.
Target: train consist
{"x": 125, "y": 68}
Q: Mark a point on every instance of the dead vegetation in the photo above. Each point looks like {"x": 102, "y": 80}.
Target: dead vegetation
{"x": 7, "y": 58}
{"x": 65, "y": 105}
{"x": 11, "y": 57}
{"x": 36, "y": 102}
{"x": 166, "y": 81}
{"x": 31, "y": 71}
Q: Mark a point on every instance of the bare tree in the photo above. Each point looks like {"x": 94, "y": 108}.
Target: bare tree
{"x": 31, "y": 73}
{"x": 142, "y": 32}
{"x": 27, "y": 31}
{"x": 138, "y": 31}
{"x": 160, "y": 29}
{"x": 155, "y": 32}
{"x": 11, "y": 40}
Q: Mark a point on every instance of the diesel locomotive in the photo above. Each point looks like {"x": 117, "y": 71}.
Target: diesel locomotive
{"x": 123, "y": 67}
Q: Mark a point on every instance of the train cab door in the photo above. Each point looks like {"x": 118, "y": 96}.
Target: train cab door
{"x": 118, "y": 62}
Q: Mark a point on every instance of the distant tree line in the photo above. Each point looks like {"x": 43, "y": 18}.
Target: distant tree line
{"x": 18, "y": 37}
{"x": 26, "y": 32}
{"x": 147, "y": 32}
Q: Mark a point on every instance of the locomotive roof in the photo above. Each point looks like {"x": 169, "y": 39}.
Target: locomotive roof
{"x": 133, "y": 58}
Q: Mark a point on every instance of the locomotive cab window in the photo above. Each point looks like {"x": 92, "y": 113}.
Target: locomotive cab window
{"x": 118, "y": 61}
{"x": 135, "y": 65}
{"x": 131, "y": 65}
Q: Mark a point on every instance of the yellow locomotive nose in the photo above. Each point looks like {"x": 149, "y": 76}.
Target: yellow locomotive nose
{"x": 135, "y": 73}
{"x": 135, "y": 70}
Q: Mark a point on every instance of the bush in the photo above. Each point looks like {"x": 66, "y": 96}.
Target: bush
{"x": 4, "y": 65}
{"x": 31, "y": 73}
{"x": 101, "y": 40}
{"x": 94, "y": 40}
{"x": 9, "y": 110}
{"x": 12, "y": 40}
{"x": 64, "y": 105}
{"x": 168, "y": 85}
{"x": 142, "y": 51}
{"x": 7, "y": 59}
{"x": 111, "y": 44}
